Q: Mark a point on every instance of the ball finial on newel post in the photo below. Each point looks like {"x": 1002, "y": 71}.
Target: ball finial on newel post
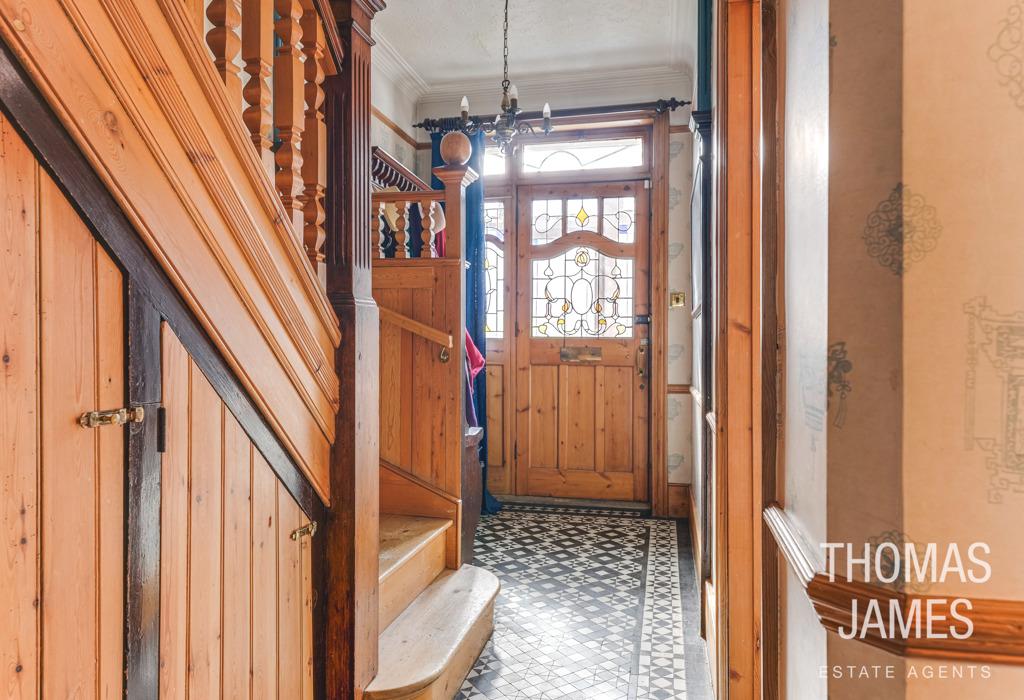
{"x": 456, "y": 148}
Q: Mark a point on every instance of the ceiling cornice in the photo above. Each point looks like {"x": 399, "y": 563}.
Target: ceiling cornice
{"x": 572, "y": 86}
{"x": 391, "y": 63}
{"x": 675, "y": 22}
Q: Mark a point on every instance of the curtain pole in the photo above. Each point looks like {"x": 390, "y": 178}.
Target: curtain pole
{"x": 446, "y": 124}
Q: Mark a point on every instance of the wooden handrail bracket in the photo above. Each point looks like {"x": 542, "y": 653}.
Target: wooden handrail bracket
{"x": 413, "y": 326}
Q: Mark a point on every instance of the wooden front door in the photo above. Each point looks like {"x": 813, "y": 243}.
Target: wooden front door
{"x": 581, "y": 317}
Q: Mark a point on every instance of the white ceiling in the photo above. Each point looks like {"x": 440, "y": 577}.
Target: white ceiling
{"x": 439, "y": 48}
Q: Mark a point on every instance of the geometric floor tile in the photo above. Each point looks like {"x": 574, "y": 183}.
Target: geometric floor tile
{"x": 591, "y": 608}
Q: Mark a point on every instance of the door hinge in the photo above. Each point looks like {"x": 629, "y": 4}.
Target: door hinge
{"x": 119, "y": 416}
{"x": 307, "y": 529}
{"x": 161, "y": 429}
{"x": 515, "y": 450}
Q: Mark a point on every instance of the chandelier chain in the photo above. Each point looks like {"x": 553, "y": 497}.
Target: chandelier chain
{"x": 506, "y": 125}
{"x": 505, "y": 83}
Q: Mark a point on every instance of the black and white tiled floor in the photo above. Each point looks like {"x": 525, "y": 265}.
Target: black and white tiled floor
{"x": 591, "y": 608}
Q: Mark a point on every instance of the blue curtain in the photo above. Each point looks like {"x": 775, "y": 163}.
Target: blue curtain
{"x": 476, "y": 290}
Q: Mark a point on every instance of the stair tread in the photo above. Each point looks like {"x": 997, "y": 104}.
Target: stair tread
{"x": 401, "y": 536}
{"x": 418, "y": 646}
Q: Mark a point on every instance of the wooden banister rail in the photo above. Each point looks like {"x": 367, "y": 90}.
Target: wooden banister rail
{"x": 426, "y": 485}
{"x": 386, "y": 171}
{"x": 410, "y": 197}
{"x": 392, "y": 236}
{"x": 280, "y": 97}
{"x": 421, "y": 329}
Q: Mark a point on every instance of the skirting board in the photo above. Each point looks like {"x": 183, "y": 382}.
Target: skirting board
{"x": 679, "y": 500}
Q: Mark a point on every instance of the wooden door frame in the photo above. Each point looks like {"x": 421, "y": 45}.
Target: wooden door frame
{"x": 150, "y": 298}
{"x": 738, "y": 565}
{"x": 506, "y": 350}
{"x": 772, "y": 331}
{"x": 657, "y": 454}
{"x": 143, "y": 497}
{"x": 655, "y": 129}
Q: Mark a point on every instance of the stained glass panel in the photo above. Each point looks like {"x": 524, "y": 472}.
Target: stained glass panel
{"x": 494, "y": 268}
{"x": 582, "y": 294}
{"x": 549, "y": 157}
{"x": 494, "y": 272}
{"x": 581, "y": 215}
{"x": 618, "y": 219}
{"x": 547, "y": 220}
{"x": 494, "y": 219}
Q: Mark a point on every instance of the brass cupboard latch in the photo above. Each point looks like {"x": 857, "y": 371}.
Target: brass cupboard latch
{"x": 120, "y": 416}
{"x": 307, "y": 529}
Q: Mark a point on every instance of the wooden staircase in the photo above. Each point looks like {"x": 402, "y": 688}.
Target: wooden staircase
{"x": 434, "y": 620}
{"x": 435, "y": 611}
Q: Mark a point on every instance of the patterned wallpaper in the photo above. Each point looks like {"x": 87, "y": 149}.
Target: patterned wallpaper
{"x": 921, "y": 402}
{"x": 680, "y": 346}
{"x": 963, "y": 291}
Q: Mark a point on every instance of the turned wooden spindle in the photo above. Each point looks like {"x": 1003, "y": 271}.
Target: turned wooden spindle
{"x": 402, "y": 230}
{"x": 429, "y": 249}
{"x": 377, "y": 228}
{"x": 258, "y": 55}
{"x": 225, "y": 16}
{"x": 314, "y": 137}
{"x": 289, "y": 109}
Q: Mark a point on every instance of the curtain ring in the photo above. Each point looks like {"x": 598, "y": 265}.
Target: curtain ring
{"x": 445, "y": 355}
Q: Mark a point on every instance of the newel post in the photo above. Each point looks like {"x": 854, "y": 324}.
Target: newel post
{"x": 348, "y": 556}
{"x": 456, "y": 176}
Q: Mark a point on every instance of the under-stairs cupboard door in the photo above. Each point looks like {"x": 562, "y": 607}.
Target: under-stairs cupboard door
{"x": 236, "y": 583}
{"x": 62, "y": 332}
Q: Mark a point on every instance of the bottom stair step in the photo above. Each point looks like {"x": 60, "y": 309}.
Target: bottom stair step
{"x": 411, "y": 556}
{"x": 427, "y": 651}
